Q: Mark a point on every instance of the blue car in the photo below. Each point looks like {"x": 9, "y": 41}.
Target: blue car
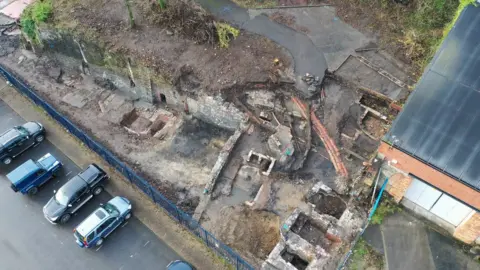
{"x": 29, "y": 176}
{"x": 180, "y": 265}
{"x": 102, "y": 222}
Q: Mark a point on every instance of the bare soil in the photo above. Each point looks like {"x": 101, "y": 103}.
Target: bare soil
{"x": 248, "y": 231}
{"x": 374, "y": 126}
{"x": 167, "y": 43}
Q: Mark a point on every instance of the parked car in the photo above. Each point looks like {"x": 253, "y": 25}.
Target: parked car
{"x": 29, "y": 176}
{"x": 180, "y": 265}
{"x": 74, "y": 194}
{"x": 102, "y": 222}
{"x": 19, "y": 139}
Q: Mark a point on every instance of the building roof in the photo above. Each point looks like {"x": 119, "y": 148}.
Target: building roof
{"x": 22, "y": 171}
{"x": 440, "y": 123}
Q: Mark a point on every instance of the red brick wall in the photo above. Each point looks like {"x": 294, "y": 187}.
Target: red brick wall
{"x": 428, "y": 174}
{"x": 399, "y": 184}
{"x": 469, "y": 230}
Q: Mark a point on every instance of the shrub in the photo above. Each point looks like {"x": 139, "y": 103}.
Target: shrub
{"x": 38, "y": 12}
{"x": 224, "y": 31}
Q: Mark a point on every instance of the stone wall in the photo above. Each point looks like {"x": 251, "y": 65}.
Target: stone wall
{"x": 216, "y": 111}
{"x": 125, "y": 73}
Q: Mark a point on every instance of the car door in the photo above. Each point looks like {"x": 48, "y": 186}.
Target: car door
{"x": 81, "y": 197}
{"x": 22, "y": 144}
{"x": 107, "y": 227}
{"x": 13, "y": 149}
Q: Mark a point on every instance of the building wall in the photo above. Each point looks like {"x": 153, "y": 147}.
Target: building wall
{"x": 410, "y": 165}
{"x": 401, "y": 165}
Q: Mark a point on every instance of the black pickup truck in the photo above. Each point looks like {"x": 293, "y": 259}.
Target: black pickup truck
{"x": 19, "y": 139}
{"x": 74, "y": 194}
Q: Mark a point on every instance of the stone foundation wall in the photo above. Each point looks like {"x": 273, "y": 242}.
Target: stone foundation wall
{"x": 216, "y": 111}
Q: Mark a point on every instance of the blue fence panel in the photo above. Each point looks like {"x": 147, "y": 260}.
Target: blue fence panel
{"x": 186, "y": 220}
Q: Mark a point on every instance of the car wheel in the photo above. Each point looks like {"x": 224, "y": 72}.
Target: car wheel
{"x": 39, "y": 138}
{"x": 65, "y": 218}
{"x": 128, "y": 216}
{"x": 32, "y": 191}
{"x": 7, "y": 160}
{"x": 99, "y": 242}
{"x": 97, "y": 191}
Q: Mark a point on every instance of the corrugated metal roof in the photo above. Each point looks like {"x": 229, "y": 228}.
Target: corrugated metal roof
{"x": 440, "y": 123}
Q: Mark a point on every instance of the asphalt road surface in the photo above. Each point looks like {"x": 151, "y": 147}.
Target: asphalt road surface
{"x": 29, "y": 241}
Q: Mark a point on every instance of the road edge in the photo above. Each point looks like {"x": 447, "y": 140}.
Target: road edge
{"x": 155, "y": 218}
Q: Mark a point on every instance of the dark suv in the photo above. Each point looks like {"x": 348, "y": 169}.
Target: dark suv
{"x": 74, "y": 194}
{"x": 19, "y": 139}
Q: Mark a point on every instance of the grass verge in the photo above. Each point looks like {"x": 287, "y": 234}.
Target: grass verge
{"x": 364, "y": 257}
{"x": 386, "y": 208}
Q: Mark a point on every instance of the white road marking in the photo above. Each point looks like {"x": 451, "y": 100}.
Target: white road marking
{"x": 68, "y": 173}
{"x": 99, "y": 248}
{"x": 125, "y": 224}
{"x": 146, "y": 243}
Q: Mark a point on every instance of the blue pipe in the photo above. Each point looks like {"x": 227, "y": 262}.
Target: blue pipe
{"x": 377, "y": 201}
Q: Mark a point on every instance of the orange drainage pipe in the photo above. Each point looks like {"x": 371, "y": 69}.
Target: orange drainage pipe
{"x": 322, "y": 133}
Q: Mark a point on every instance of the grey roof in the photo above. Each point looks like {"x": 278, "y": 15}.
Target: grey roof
{"x": 440, "y": 123}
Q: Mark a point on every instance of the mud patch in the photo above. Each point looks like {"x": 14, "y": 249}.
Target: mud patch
{"x": 374, "y": 126}
{"x": 196, "y": 138}
{"x": 248, "y": 231}
{"x": 328, "y": 204}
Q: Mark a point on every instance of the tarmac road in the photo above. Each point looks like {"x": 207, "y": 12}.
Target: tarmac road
{"x": 29, "y": 241}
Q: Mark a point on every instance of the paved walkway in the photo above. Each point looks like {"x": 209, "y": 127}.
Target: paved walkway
{"x": 307, "y": 57}
{"x": 408, "y": 243}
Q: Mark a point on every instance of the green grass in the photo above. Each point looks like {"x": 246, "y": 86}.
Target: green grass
{"x": 364, "y": 257}
{"x": 386, "y": 208}
{"x": 35, "y": 14}
{"x": 428, "y": 25}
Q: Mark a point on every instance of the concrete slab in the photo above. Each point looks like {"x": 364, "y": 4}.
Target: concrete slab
{"x": 15, "y": 8}
{"x": 336, "y": 39}
{"x": 408, "y": 243}
{"x": 4, "y": 3}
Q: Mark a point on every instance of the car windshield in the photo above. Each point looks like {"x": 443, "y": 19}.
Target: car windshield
{"x": 110, "y": 208}
{"x": 22, "y": 130}
{"x": 61, "y": 197}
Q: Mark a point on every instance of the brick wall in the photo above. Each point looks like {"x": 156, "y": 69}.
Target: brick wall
{"x": 428, "y": 174}
{"x": 398, "y": 185}
{"x": 469, "y": 230}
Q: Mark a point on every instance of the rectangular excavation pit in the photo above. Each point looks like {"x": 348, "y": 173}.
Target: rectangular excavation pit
{"x": 294, "y": 260}
{"x": 265, "y": 163}
{"x": 375, "y": 103}
{"x": 328, "y": 204}
{"x": 141, "y": 125}
{"x": 310, "y": 231}
{"x": 373, "y": 125}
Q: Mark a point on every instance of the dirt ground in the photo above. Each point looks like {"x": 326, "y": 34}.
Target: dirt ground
{"x": 166, "y": 47}
{"x": 255, "y": 232}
